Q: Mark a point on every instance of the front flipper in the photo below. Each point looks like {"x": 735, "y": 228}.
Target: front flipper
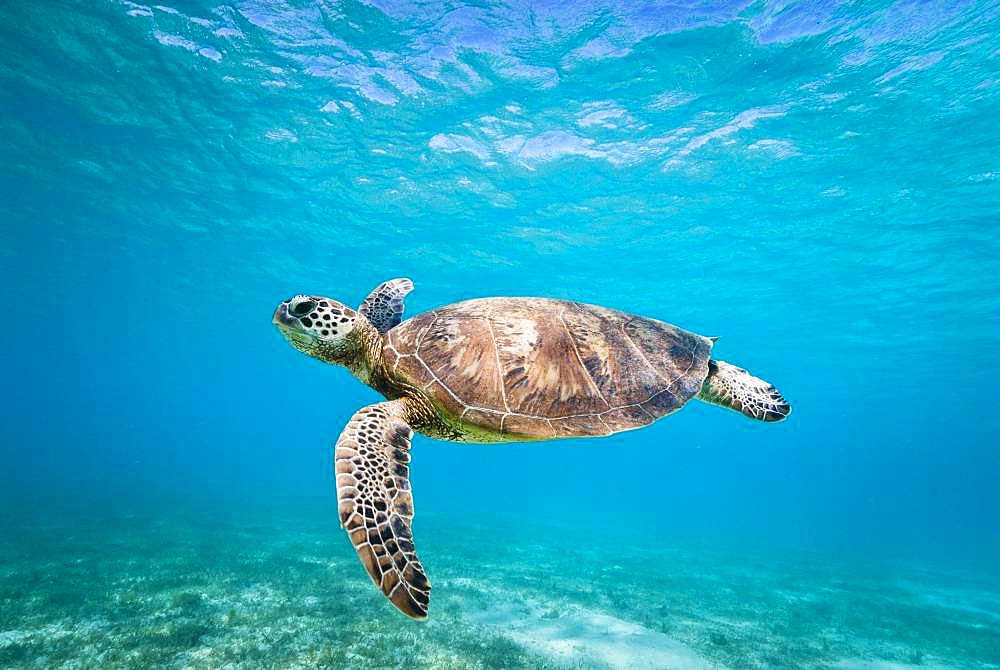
{"x": 384, "y": 306}
{"x": 375, "y": 505}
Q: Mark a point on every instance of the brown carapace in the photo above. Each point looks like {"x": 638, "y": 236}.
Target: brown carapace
{"x": 506, "y": 369}
{"x": 492, "y": 370}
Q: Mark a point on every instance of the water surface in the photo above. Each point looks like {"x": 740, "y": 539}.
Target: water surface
{"x": 815, "y": 183}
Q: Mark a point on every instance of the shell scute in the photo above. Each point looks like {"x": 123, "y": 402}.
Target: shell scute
{"x": 626, "y": 418}
{"x": 489, "y": 420}
{"x": 535, "y": 367}
{"x": 671, "y": 352}
{"x": 461, "y": 355}
{"x": 516, "y": 424}
{"x": 580, "y": 426}
{"x": 542, "y": 375}
{"x": 443, "y": 394}
{"x": 611, "y": 359}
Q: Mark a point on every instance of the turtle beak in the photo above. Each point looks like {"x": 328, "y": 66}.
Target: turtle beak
{"x": 281, "y": 316}
{"x": 291, "y": 327}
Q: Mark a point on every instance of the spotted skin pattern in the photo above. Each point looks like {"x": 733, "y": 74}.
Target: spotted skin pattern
{"x": 375, "y": 505}
{"x": 384, "y": 307}
{"x": 734, "y": 388}
{"x": 492, "y": 370}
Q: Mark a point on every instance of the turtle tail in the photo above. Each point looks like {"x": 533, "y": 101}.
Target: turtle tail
{"x": 736, "y": 389}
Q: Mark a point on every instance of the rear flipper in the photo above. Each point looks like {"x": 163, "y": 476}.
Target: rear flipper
{"x": 736, "y": 389}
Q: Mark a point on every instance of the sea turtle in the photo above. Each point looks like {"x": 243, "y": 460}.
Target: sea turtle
{"x": 492, "y": 370}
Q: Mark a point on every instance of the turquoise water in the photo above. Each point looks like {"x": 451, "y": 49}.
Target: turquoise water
{"x": 818, "y": 184}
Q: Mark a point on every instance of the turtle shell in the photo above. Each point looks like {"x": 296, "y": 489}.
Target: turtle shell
{"x": 536, "y": 368}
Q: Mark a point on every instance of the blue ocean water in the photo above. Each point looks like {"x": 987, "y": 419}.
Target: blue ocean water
{"x": 816, "y": 183}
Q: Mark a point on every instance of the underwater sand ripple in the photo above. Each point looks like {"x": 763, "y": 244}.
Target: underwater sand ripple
{"x": 175, "y": 594}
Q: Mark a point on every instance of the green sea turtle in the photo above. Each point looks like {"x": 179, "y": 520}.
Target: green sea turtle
{"x": 492, "y": 370}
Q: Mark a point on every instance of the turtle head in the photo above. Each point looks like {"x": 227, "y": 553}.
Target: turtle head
{"x": 318, "y": 326}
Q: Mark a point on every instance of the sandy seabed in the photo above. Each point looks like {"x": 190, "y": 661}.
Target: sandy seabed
{"x": 138, "y": 592}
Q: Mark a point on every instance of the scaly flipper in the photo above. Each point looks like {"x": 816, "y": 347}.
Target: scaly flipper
{"x": 736, "y": 389}
{"x": 375, "y": 505}
{"x": 384, "y": 305}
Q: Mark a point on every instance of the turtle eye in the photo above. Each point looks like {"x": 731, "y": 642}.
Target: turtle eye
{"x": 303, "y": 308}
